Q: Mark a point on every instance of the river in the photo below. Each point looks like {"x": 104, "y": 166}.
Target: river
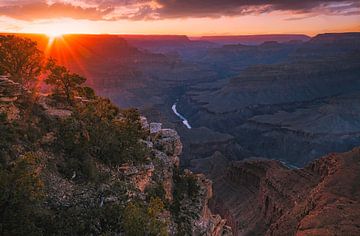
{"x": 184, "y": 120}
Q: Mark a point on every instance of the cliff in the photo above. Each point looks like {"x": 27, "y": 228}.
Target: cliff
{"x": 264, "y": 197}
{"x": 81, "y": 193}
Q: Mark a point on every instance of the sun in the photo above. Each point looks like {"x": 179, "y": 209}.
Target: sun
{"x": 52, "y": 37}
{"x": 54, "y": 34}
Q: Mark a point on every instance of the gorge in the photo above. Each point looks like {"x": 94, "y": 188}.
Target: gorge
{"x": 289, "y": 101}
{"x": 252, "y": 108}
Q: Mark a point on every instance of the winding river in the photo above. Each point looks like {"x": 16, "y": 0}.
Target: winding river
{"x": 184, "y": 120}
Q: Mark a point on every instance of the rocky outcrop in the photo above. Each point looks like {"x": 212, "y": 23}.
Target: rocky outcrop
{"x": 168, "y": 148}
{"x": 270, "y": 199}
{"x": 113, "y": 185}
{"x": 9, "y": 90}
{"x": 9, "y": 93}
{"x": 53, "y": 109}
{"x": 208, "y": 223}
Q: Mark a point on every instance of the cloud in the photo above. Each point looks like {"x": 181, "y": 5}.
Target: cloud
{"x": 33, "y": 10}
{"x": 215, "y": 8}
{"x": 163, "y": 9}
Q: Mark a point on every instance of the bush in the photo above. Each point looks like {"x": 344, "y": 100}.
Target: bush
{"x": 185, "y": 187}
{"x": 93, "y": 131}
{"x": 155, "y": 191}
{"x": 106, "y": 220}
{"x": 7, "y": 137}
{"x": 21, "y": 191}
{"x": 141, "y": 220}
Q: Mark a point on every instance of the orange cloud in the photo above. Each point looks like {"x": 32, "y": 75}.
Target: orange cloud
{"x": 41, "y": 10}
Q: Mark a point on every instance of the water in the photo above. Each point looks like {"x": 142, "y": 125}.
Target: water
{"x": 184, "y": 120}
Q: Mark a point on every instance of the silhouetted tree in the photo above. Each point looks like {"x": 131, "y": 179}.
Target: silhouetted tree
{"x": 64, "y": 82}
{"x": 21, "y": 59}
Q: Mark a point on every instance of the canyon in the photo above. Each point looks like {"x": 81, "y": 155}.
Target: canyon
{"x": 262, "y": 111}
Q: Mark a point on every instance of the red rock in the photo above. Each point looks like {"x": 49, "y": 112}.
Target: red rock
{"x": 262, "y": 197}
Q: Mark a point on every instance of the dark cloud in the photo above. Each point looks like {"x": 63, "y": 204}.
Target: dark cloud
{"x": 214, "y": 8}
{"x": 162, "y": 9}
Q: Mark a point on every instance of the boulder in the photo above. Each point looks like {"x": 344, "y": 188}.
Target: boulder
{"x": 155, "y": 127}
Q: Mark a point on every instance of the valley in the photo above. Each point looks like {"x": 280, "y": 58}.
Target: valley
{"x": 180, "y": 117}
{"x": 240, "y": 109}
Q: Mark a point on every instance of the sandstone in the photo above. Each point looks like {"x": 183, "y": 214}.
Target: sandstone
{"x": 63, "y": 113}
{"x": 208, "y": 223}
{"x": 142, "y": 178}
{"x": 9, "y": 90}
{"x": 144, "y": 123}
{"x": 9, "y": 93}
{"x": 155, "y": 128}
{"x": 168, "y": 141}
{"x": 263, "y": 197}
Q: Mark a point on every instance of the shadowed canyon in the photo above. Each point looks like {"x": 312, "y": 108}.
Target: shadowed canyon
{"x": 265, "y": 118}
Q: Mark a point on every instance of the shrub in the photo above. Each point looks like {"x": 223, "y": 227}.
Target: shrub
{"x": 185, "y": 188}
{"x": 141, "y": 220}
{"x": 94, "y": 131}
{"x": 7, "y": 137}
{"x": 21, "y": 190}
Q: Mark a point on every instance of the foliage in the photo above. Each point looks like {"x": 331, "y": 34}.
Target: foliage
{"x": 97, "y": 131}
{"x": 185, "y": 187}
{"x": 140, "y": 220}
{"x": 93, "y": 131}
{"x": 21, "y": 190}
{"x": 20, "y": 58}
{"x": 64, "y": 83}
{"x": 86, "y": 92}
{"x": 7, "y": 137}
{"x": 106, "y": 220}
{"x": 155, "y": 190}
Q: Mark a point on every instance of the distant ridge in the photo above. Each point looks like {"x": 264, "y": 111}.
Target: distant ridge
{"x": 337, "y": 36}
{"x": 255, "y": 39}
{"x": 144, "y": 37}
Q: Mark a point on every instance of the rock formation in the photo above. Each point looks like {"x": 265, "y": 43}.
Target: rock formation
{"x": 9, "y": 93}
{"x": 264, "y": 197}
{"x": 116, "y": 185}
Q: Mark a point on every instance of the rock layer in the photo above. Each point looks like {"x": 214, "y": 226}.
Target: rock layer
{"x": 264, "y": 197}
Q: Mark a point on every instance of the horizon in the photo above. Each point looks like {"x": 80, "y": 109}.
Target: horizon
{"x": 190, "y": 37}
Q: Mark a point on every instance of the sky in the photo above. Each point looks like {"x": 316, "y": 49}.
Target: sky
{"x": 181, "y": 17}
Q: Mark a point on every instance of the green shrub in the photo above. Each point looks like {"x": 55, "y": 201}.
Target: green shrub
{"x": 185, "y": 187}
{"x": 21, "y": 191}
{"x": 155, "y": 191}
{"x": 7, "y": 138}
{"x": 141, "y": 220}
{"x": 93, "y": 131}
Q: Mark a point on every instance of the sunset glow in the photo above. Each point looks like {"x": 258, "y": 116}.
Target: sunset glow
{"x": 193, "y": 18}
{"x": 54, "y": 34}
